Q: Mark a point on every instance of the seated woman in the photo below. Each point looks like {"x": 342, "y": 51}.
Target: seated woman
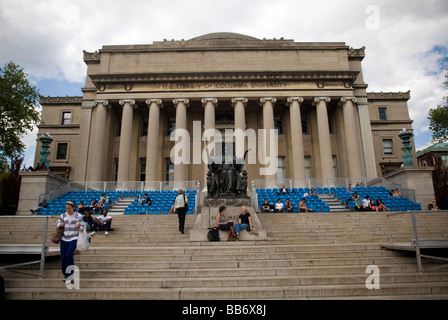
{"x": 432, "y": 205}
{"x": 265, "y": 206}
{"x": 101, "y": 206}
{"x": 302, "y": 206}
{"x": 313, "y": 193}
{"x": 244, "y": 221}
{"x": 225, "y": 225}
{"x": 82, "y": 208}
{"x": 373, "y": 206}
{"x": 94, "y": 206}
{"x": 380, "y": 206}
{"x": 140, "y": 199}
{"x": 288, "y": 206}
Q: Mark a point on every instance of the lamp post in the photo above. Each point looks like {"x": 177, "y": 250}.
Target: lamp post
{"x": 45, "y": 139}
{"x": 405, "y": 137}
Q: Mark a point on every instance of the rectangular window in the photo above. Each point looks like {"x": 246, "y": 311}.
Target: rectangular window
{"x": 281, "y": 168}
{"x": 304, "y": 118}
{"x": 144, "y": 128}
{"x": 169, "y": 170}
{"x": 66, "y": 117}
{"x": 308, "y": 171}
{"x": 61, "y": 151}
{"x": 171, "y": 125}
{"x": 330, "y": 122}
{"x": 335, "y": 167}
{"x": 445, "y": 158}
{"x": 387, "y": 146}
{"x": 382, "y": 111}
{"x": 115, "y": 168}
{"x": 118, "y": 128}
{"x": 278, "y": 124}
{"x": 142, "y": 169}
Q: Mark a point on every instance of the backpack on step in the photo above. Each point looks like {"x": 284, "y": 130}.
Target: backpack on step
{"x": 213, "y": 234}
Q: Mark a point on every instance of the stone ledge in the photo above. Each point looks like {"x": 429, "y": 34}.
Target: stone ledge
{"x": 206, "y": 220}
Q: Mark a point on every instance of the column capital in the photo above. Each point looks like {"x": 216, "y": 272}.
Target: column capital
{"x": 236, "y": 99}
{"x": 130, "y": 101}
{"x": 317, "y": 99}
{"x": 212, "y": 100}
{"x": 291, "y": 99}
{"x": 104, "y": 102}
{"x": 362, "y": 100}
{"x": 263, "y": 100}
{"x": 186, "y": 101}
{"x": 344, "y": 99}
{"x": 151, "y": 101}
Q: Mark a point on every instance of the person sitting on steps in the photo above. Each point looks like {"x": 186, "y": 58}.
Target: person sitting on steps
{"x": 244, "y": 222}
{"x": 103, "y": 222}
{"x": 224, "y": 224}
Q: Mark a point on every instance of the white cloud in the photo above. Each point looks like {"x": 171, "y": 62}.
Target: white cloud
{"x": 47, "y": 37}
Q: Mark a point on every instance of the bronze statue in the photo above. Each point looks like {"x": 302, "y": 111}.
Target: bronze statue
{"x": 226, "y": 176}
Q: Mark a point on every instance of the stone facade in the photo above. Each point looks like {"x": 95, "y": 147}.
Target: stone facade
{"x": 136, "y": 95}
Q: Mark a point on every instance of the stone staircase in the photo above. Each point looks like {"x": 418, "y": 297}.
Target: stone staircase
{"x": 120, "y": 205}
{"x": 305, "y": 256}
{"x": 333, "y": 202}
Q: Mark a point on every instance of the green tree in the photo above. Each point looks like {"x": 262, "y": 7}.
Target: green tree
{"x": 438, "y": 120}
{"x": 18, "y": 114}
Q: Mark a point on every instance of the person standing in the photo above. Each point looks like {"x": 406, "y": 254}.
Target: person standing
{"x": 72, "y": 222}
{"x": 181, "y": 207}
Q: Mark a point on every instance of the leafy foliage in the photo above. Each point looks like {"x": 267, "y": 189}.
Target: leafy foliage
{"x": 439, "y": 178}
{"x": 17, "y": 110}
{"x": 438, "y": 124}
{"x": 10, "y": 187}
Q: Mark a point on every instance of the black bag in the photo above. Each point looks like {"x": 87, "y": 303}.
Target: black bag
{"x": 185, "y": 204}
{"x": 213, "y": 234}
{"x": 2, "y": 289}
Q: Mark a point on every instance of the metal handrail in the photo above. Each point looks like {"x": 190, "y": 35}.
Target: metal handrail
{"x": 416, "y": 242}
{"x": 44, "y": 249}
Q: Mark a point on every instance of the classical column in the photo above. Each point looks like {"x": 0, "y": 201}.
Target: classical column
{"x": 269, "y": 157}
{"x": 351, "y": 145}
{"x": 239, "y": 105}
{"x": 209, "y": 105}
{"x": 124, "y": 155}
{"x": 366, "y": 136}
{"x": 152, "y": 145}
{"x": 96, "y": 161}
{"x": 326, "y": 161}
{"x": 181, "y": 105}
{"x": 298, "y": 154}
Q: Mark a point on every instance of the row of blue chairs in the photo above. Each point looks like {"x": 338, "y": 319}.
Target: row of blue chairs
{"x": 295, "y": 195}
{"x": 394, "y": 203}
{"x": 161, "y": 201}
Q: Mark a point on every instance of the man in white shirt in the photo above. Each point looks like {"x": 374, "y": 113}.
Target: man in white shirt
{"x": 279, "y": 206}
{"x": 103, "y": 222}
{"x": 366, "y": 204}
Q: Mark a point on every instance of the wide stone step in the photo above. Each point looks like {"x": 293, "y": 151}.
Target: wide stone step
{"x": 314, "y": 256}
{"x": 213, "y": 282}
{"x": 260, "y": 292}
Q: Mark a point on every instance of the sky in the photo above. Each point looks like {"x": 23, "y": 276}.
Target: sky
{"x": 406, "y": 41}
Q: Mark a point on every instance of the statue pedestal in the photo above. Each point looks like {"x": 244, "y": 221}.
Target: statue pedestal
{"x": 207, "y": 219}
{"x": 228, "y": 202}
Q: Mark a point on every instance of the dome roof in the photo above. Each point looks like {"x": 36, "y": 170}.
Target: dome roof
{"x": 224, "y": 35}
